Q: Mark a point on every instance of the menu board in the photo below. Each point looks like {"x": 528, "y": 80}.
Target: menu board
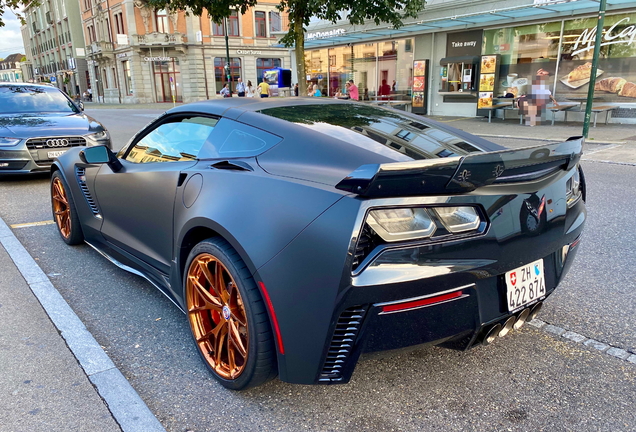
{"x": 488, "y": 71}
{"x": 420, "y": 86}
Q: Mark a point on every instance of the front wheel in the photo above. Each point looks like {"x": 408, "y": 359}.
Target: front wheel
{"x": 64, "y": 211}
{"x": 227, "y": 316}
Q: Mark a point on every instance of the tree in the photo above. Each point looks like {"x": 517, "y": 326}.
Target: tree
{"x": 14, "y": 5}
{"x": 355, "y": 11}
{"x": 300, "y": 12}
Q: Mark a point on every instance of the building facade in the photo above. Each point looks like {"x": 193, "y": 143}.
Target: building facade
{"x": 55, "y": 42}
{"x": 459, "y": 55}
{"x": 137, "y": 54}
{"x": 11, "y": 68}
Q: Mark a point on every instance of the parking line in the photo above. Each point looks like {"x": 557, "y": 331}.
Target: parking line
{"x": 31, "y": 224}
{"x": 126, "y": 406}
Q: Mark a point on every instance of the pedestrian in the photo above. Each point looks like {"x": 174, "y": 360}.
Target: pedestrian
{"x": 240, "y": 87}
{"x": 385, "y": 90}
{"x": 225, "y": 91}
{"x": 250, "y": 91}
{"x": 353, "y": 91}
{"x": 264, "y": 89}
{"x": 315, "y": 91}
{"x": 537, "y": 99}
{"x": 296, "y": 90}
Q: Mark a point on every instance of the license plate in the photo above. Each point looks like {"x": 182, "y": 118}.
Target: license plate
{"x": 54, "y": 154}
{"x": 525, "y": 285}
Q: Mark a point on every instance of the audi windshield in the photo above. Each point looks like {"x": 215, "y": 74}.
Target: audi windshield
{"x": 20, "y": 99}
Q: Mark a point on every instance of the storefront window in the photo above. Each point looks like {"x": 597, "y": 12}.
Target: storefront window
{"x": 616, "y": 75}
{"x": 167, "y": 81}
{"x": 220, "y": 74}
{"x": 264, "y": 64}
{"x": 524, "y": 52}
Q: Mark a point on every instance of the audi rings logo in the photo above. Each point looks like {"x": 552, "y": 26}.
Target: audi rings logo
{"x": 57, "y": 142}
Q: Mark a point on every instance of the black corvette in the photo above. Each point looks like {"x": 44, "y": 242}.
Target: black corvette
{"x": 39, "y": 123}
{"x": 297, "y": 234}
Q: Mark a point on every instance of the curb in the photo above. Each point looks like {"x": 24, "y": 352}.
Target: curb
{"x": 588, "y": 141}
{"x": 124, "y": 403}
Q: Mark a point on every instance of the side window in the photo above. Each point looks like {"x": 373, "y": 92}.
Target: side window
{"x": 237, "y": 140}
{"x": 177, "y": 140}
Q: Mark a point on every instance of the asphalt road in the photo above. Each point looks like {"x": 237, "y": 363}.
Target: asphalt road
{"x": 529, "y": 380}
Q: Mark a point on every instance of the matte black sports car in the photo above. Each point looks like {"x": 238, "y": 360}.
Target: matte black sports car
{"x": 39, "y": 123}
{"x": 297, "y": 234}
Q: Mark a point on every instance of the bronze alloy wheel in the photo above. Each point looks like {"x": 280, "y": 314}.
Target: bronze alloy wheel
{"x": 217, "y": 316}
{"x": 61, "y": 208}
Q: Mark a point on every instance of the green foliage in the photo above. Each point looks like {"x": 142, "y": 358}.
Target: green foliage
{"x": 217, "y": 9}
{"x": 15, "y": 5}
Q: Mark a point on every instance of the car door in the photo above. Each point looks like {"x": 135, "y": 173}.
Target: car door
{"x": 138, "y": 200}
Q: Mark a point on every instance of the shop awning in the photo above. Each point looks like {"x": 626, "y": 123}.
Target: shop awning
{"x": 549, "y": 10}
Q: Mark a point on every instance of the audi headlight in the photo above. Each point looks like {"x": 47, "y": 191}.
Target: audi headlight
{"x": 401, "y": 223}
{"x": 98, "y": 138}
{"x": 458, "y": 219}
{"x": 8, "y": 141}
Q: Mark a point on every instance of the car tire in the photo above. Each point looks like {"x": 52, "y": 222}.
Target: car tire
{"x": 227, "y": 316}
{"x": 64, "y": 211}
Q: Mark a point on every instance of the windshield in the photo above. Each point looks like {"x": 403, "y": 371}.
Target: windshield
{"x": 376, "y": 129}
{"x": 16, "y": 99}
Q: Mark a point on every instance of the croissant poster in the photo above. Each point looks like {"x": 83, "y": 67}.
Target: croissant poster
{"x": 565, "y": 58}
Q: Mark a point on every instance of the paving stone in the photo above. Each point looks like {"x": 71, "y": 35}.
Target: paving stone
{"x": 536, "y": 323}
{"x": 574, "y": 336}
{"x": 617, "y": 352}
{"x": 596, "y": 345}
{"x": 632, "y": 358}
{"x": 554, "y": 329}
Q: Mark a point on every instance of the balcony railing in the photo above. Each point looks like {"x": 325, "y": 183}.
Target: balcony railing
{"x": 102, "y": 47}
{"x": 158, "y": 39}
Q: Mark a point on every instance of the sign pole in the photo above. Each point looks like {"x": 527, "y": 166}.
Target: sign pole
{"x": 597, "y": 49}
{"x": 227, "y": 56}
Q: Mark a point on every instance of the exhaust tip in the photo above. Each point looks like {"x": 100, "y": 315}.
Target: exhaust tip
{"x": 510, "y": 322}
{"x": 522, "y": 318}
{"x": 535, "y": 311}
{"x": 492, "y": 334}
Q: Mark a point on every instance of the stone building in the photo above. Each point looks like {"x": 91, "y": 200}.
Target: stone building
{"x": 55, "y": 42}
{"x": 137, "y": 54}
{"x": 10, "y": 68}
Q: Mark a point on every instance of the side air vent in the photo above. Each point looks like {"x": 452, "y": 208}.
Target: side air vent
{"x": 344, "y": 337}
{"x": 81, "y": 180}
{"x": 367, "y": 241}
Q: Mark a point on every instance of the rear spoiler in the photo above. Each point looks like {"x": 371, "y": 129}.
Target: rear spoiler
{"x": 461, "y": 174}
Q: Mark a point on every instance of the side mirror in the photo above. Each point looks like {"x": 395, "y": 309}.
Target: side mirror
{"x": 100, "y": 155}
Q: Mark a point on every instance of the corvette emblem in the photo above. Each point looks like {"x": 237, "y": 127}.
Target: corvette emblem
{"x": 463, "y": 176}
{"x": 499, "y": 169}
{"x": 513, "y": 278}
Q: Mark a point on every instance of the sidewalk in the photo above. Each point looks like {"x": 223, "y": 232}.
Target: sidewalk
{"x": 603, "y": 134}
{"x": 53, "y": 374}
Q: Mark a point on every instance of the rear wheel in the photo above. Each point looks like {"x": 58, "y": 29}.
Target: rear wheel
{"x": 64, "y": 211}
{"x": 227, "y": 316}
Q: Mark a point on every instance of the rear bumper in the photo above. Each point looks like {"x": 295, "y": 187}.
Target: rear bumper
{"x": 329, "y": 315}
{"x": 460, "y": 319}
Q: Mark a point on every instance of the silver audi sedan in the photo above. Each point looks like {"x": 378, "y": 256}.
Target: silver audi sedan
{"x": 39, "y": 123}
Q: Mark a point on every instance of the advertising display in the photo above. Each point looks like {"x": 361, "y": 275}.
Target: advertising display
{"x": 488, "y": 77}
{"x": 532, "y": 50}
{"x": 420, "y": 86}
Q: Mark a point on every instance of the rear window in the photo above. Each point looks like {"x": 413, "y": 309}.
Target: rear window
{"x": 366, "y": 126}
{"x": 34, "y": 99}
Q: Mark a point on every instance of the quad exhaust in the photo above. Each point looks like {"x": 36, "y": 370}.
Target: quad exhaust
{"x": 514, "y": 322}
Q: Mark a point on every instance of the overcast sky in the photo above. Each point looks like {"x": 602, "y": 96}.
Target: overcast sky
{"x": 10, "y": 35}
